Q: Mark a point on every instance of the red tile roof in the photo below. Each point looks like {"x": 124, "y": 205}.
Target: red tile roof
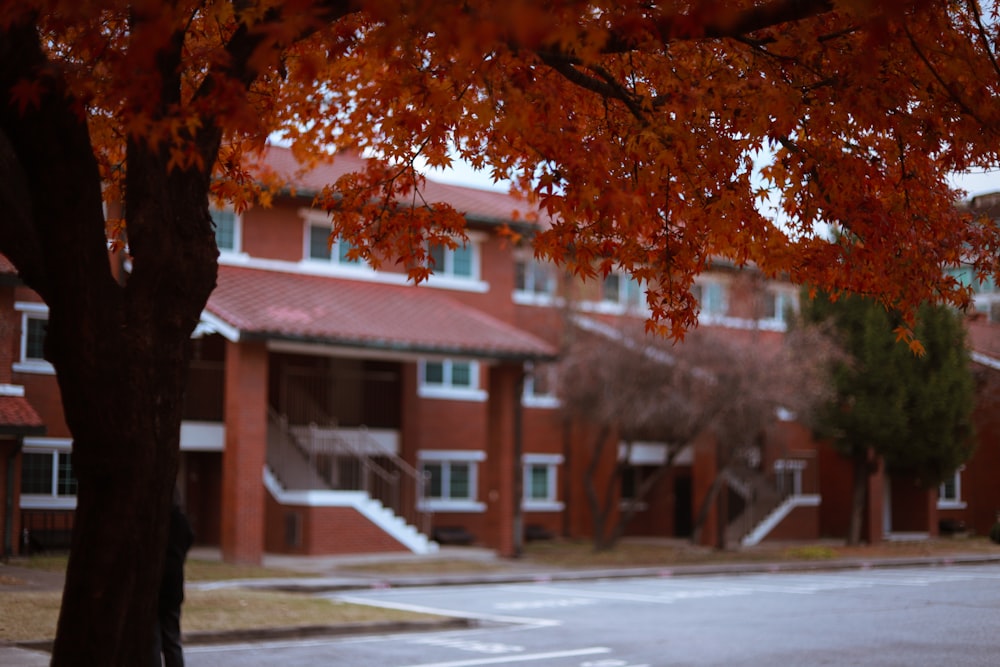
{"x": 399, "y": 318}
{"x": 6, "y": 268}
{"x": 18, "y": 417}
{"x": 483, "y": 205}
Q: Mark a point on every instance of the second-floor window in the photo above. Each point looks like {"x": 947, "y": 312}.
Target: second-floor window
{"x": 534, "y": 277}
{"x": 711, "y": 297}
{"x": 227, "y": 229}
{"x": 459, "y": 262}
{"x": 622, "y": 290}
{"x": 450, "y": 378}
{"x": 320, "y": 246}
{"x": 34, "y": 321}
{"x": 776, "y": 305}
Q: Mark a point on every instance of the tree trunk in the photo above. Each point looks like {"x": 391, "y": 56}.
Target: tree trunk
{"x": 590, "y": 486}
{"x": 705, "y": 507}
{"x": 859, "y": 497}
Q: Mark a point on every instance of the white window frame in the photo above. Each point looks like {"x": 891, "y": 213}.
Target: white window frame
{"x": 34, "y": 311}
{"x": 551, "y": 502}
{"x": 712, "y": 307}
{"x": 784, "y": 300}
{"x": 955, "y": 503}
{"x": 528, "y": 294}
{"x": 442, "y": 277}
{"x": 237, "y": 248}
{"x": 795, "y": 466}
{"x": 54, "y": 447}
{"x": 445, "y": 458}
{"x": 446, "y": 390}
{"x": 623, "y": 300}
{"x": 529, "y": 398}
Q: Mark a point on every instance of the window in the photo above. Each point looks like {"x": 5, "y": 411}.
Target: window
{"x": 623, "y": 290}
{"x": 950, "y": 492}
{"x": 540, "y": 385}
{"x": 540, "y": 482}
{"x": 457, "y": 262}
{"x": 450, "y": 480}
{"x": 47, "y": 479}
{"x": 320, "y": 247}
{"x": 34, "y": 320}
{"x": 450, "y": 378}
{"x": 712, "y": 298}
{"x": 534, "y": 279}
{"x": 788, "y": 474}
{"x": 227, "y": 229}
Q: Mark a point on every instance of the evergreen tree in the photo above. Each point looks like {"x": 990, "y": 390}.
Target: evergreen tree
{"x": 912, "y": 411}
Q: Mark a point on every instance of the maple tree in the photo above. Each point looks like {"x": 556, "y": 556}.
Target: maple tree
{"x": 633, "y": 126}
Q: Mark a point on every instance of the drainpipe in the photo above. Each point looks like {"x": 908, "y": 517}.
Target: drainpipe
{"x": 518, "y": 466}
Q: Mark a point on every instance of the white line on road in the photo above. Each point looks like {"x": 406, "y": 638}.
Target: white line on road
{"x": 507, "y": 659}
{"x": 442, "y": 611}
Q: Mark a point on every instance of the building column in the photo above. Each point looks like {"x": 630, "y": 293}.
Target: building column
{"x": 245, "y": 414}
{"x": 502, "y": 468}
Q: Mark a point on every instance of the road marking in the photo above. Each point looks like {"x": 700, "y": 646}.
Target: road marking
{"x": 441, "y": 611}
{"x": 529, "y": 657}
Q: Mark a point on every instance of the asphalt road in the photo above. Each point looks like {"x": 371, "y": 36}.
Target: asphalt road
{"x": 910, "y": 617}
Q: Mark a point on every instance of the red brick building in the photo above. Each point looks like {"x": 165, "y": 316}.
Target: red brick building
{"x": 333, "y": 408}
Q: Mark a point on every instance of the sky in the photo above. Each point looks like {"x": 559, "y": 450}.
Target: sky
{"x": 974, "y": 183}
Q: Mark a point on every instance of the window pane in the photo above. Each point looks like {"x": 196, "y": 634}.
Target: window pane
{"x": 461, "y": 261}
{"x": 36, "y": 473}
{"x": 538, "y": 482}
{"x": 434, "y": 372}
{"x": 432, "y": 480}
{"x": 66, "y": 483}
{"x": 225, "y": 229}
{"x": 633, "y": 292}
{"x": 34, "y": 347}
{"x": 460, "y": 482}
{"x": 520, "y": 275}
{"x": 542, "y": 278}
{"x": 461, "y": 374}
{"x": 343, "y": 247}
{"x": 319, "y": 242}
{"x": 770, "y": 308}
{"x": 437, "y": 258}
{"x": 948, "y": 489}
{"x": 611, "y": 288}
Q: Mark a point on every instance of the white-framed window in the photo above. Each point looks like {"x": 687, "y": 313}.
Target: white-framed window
{"x": 47, "y": 479}
{"x": 535, "y": 281}
{"x": 456, "y": 379}
{"x": 540, "y": 383}
{"x": 459, "y": 263}
{"x": 622, "y": 290}
{"x": 34, "y": 320}
{"x": 788, "y": 473}
{"x": 228, "y": 230}
{"x": 950, "y": 492}
{"x": 540, "y": 483}
{"x": 777, "y": 305}
{"x": 320, "y": 247}
{"x": 712, "y": 298}
{"x": 451, "y": 480}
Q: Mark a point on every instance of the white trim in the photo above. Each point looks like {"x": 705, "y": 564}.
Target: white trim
{"x": 42, "y": 443}
{"x": 543, "y": 506}
{"x": 446, "y": 390}
{"x": 202, "y": 436}
{"x": 984, "y": 360}
{"x": 35, "y": 307}
{"x": 777, "y": 516}
{"x": 448, "y": 505}
{"x": 548, "y": 459}
{"x": 457, "y": 455}
{"x": 11, "y": 390}
{"x": 237, "y": 248}
{"x": 34, "y": 501}
{"x": 209, "y": 324}
{"x": 371, "y": 509}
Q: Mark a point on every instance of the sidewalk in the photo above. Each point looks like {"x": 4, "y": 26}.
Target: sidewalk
{"x": 339, "y": 573}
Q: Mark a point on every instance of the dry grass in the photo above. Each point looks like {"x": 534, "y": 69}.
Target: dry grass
{"x": 28, "y": 616}
{"x": 194, "y": 569}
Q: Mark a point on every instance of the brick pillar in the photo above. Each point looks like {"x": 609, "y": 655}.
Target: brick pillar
{"x": 501, "y": 468}
{"x": 704, "y": 469}
{"x": 243, "y": 514}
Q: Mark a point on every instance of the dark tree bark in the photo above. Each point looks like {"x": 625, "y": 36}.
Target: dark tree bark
{"x": 120, "y": 351}
{"x": 859, "y": 496}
